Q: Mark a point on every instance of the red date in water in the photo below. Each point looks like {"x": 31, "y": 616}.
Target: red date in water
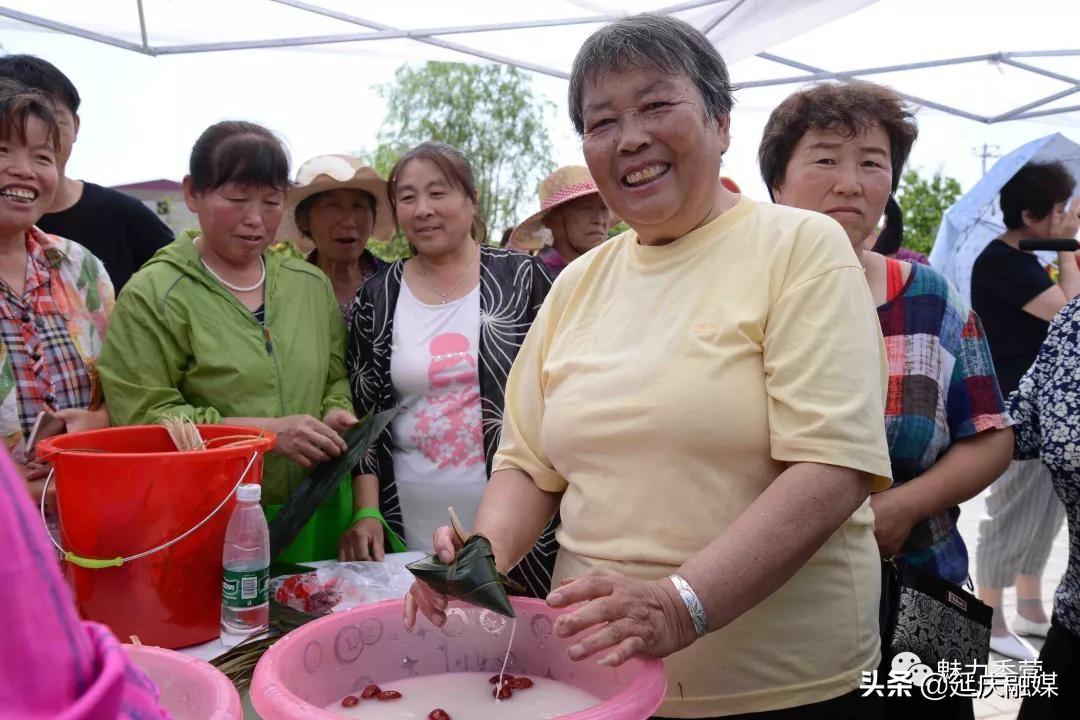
{"x": 386, "y": 695}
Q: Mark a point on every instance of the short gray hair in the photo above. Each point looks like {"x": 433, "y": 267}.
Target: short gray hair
{"x": 652, "y": 41}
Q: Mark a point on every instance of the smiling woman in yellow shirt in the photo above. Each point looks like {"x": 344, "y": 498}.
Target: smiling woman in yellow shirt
{"x": 702, "y": 399}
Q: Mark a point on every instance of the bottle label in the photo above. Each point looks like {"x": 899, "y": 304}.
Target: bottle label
{"x": 245, "y": 588}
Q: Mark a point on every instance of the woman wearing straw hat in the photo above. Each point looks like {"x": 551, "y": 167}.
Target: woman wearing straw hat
{"x": 336, "y": 204}
{"x": 572, "y": 220}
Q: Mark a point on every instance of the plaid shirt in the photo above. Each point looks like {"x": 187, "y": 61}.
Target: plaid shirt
{"x": 942, "y": 388}
{"x": 51, "y": 333}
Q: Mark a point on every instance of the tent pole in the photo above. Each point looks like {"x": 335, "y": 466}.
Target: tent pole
{"x": 70, "y": 30}
{"x": 1011, "y": 114}
{"x": 821, "y": 74}
{"x": 1040, "y": 71}
{"x": 142, "y": 26}
{"x": 825, "y": 75}
{"x": 1045, "y": 113}
{"x": 428, "y": 40}
{"x": 711, "y": 25}
{"x": 386, "y": 32}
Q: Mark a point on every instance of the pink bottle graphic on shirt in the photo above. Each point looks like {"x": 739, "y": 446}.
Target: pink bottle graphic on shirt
{"x": 448, "y": 427}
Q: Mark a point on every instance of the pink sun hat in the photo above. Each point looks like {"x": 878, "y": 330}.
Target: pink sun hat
{"x": 567, "y": 183}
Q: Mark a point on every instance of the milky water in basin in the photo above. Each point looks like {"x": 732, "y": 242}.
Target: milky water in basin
{"x": 467, "y": 696}
{"x": 306, "y": 673}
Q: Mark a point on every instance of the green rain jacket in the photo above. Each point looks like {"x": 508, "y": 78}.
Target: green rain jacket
{"x": 179, "y": 344}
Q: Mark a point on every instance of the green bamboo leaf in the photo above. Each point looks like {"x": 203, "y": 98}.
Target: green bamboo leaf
{"x": 471, "y": 577}
{"x": 322, "y": 482}
{"x": 238, "y": 663}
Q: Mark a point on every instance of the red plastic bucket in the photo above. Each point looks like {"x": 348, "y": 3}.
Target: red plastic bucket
{"x": 125, "y": 491}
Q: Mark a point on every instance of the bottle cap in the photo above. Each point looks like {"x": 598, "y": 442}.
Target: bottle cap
{"x": 249, "y": 492}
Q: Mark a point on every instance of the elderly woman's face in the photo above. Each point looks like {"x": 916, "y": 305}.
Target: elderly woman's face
{"x": 28, "y": 177}
{"x": 339, "y": 223}
{"x": 435, "y": 215}
{"x": 582, "y": 223}
{"x": 846, "y": 178}
{"x": 651, "y": 149}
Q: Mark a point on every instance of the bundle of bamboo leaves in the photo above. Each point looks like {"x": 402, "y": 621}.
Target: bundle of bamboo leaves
{"x": 238, "y": 664}
{"x": 322, "y": 482}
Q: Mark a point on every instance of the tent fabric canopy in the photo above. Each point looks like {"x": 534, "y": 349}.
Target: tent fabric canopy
{"x": 773, "y": 41}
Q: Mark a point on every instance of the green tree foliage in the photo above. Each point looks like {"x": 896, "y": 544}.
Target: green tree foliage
{"x": 490, "y": 113}
{"x": 924, "y": 202}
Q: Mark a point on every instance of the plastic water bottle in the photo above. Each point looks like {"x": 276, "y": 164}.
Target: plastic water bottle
{"x": 245, "y": 606}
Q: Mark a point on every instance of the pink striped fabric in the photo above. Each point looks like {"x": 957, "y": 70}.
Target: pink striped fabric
{"x": 52, "y": 665}
{"x": 568, "y": 192}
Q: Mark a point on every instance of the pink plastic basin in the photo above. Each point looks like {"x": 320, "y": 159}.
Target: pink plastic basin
{"x": 340, "y": 654}
{"x": 189, "y": 689}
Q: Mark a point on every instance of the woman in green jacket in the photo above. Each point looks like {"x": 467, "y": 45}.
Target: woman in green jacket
{"x": 216, "y": 330}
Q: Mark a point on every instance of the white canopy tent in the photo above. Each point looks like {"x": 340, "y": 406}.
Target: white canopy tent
{"x": 154, "y": 73}
{"x": 987, "y": 78}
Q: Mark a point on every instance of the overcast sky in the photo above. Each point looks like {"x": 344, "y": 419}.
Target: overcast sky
{"x": 140, "y": 115}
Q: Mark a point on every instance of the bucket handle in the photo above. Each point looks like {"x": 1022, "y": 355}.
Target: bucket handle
{"x": 95, "y": 564}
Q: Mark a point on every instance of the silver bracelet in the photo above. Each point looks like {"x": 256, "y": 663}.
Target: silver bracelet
{"x": 692, "y": 603}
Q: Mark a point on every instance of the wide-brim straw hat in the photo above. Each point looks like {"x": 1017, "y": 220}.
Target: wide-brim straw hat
{"x": 567, "y": 183}
{"x": 336, "y": 172}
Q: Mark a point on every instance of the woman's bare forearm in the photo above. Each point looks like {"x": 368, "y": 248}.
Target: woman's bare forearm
{"x": 964, "y": 471}
{"x": 512, "y": 514}
{"x": 365, "y": 491}
{"x": 773, "y": 538}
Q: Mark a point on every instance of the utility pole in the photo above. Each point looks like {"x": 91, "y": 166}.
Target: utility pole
{"x": 985, "y": 153}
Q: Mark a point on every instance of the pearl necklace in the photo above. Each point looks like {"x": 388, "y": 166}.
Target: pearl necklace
{"x": 236, "y": 288}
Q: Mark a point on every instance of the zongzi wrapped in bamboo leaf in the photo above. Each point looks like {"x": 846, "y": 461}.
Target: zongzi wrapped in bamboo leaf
{"x": 471, "y": 577}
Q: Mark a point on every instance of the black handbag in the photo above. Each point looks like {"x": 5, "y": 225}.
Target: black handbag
{"x": 931, "y": 617}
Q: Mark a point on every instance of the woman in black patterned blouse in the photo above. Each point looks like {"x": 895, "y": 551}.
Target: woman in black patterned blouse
{"x": 1046, "y": 408}
{"x": 436, "y": 335}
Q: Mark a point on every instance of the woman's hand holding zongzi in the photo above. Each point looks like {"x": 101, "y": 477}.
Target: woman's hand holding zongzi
{"x": 628, "y": 617}
{"x": 422, "y": 597}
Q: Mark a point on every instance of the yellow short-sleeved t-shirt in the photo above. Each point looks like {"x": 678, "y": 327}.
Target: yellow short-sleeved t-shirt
{"x": 662, "y": 389}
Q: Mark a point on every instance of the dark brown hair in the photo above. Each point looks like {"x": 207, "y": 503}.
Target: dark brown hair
{"x": 453, "y": 165}
{"x": 847, "y": 108}
{"x": 18, "y": 104}
{"x": 1037, "y": 187}
{"x": 238, "y": 152}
